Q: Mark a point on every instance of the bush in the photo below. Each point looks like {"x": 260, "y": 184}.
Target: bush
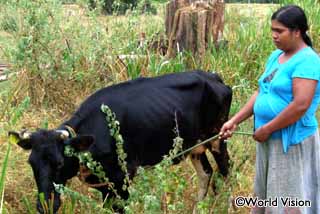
{"x": 120, "y": 7}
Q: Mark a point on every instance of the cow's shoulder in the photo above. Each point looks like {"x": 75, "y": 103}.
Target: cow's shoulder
{"x": 207, "y": 76}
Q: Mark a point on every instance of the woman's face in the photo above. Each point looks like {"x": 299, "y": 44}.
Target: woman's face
{"x": 283, "y": 37}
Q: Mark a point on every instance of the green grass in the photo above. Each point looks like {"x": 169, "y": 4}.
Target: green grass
{"x": 2, "y": 177}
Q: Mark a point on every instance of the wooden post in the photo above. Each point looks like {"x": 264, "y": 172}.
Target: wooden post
{"x": 193, "y": 25}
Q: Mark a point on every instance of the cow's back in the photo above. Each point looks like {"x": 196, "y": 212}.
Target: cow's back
{"x": 150, "y": 109}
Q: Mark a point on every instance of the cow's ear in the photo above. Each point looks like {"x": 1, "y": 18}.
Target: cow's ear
{"x": 15, "y": 138}
{"x": 82, "y": 142}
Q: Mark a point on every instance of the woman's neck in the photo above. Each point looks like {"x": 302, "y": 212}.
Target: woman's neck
{"x": 300, "y": 45}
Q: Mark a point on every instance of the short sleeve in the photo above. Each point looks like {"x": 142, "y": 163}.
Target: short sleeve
{"x": 308, "y": 67}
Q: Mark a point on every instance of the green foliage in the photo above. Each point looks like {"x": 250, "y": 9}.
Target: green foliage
{"x": 92, "y": 206}
{"x": 12, "y": 114}
{"x": 114, "y": 129}
{"x": 159, "y": 189}
{"x": 85, "y": 158}
{"x": 9, "y": 23}
{"x": 2, "y": 177}
{"x": 29, "y": 207}
{"x": 146, "y": 6}
{"x": 253, "y": 1}
{"x": 47, "y": 206}
{"x": 17, "y": 113}
{"x": 53, "y": 54}
{"x": 120, "y": 7}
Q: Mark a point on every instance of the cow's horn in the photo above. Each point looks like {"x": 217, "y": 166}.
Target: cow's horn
{"x": 25, "y": 135}
{"x": 63, "y": 134}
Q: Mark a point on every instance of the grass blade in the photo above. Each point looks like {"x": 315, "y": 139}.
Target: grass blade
{"x": 3, "y": 174}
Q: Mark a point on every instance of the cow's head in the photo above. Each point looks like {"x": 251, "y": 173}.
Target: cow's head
{"x": 47, "y": 159}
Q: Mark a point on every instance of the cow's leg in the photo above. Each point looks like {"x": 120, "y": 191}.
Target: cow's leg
{"x": 204, "y": 172}
{"x": 221, "y": 156}
{"x": 220, "y": 153}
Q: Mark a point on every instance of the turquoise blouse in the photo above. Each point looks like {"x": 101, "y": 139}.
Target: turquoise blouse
{"x": 275, "y": 94}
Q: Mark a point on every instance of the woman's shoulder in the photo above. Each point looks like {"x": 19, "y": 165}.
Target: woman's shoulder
{"x": 312, "y": 53}
{"x": 306, "y": 64}
{"x": 309, "y": 55}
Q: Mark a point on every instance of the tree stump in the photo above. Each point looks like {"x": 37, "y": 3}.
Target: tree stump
{"x": 191, "y": 26}
{"x": 171, "y": 9}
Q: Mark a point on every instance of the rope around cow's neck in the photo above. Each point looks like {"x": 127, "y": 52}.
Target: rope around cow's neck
{"x": 208, "y": 140}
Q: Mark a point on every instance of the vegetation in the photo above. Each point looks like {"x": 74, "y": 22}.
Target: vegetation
{"x": 59, "y": 54}
{"x": 121, "y": 6}
{"x": 253, "y": 1}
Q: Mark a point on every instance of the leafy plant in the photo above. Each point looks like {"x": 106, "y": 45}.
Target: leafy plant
{"x": 114, "y": 129}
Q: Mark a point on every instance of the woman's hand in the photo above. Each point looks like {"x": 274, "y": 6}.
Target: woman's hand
{"x": 227, "y": 129}
{"x": 262, "y": 134}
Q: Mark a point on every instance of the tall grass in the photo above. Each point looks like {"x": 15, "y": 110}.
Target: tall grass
{"x": 2, "y": 178}
{"x": 16, "y": 114}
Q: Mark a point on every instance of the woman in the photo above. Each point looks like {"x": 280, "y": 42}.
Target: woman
{"x": 288, "y": 148}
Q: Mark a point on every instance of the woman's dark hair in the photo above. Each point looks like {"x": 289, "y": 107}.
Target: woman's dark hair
{"x": 294, "y": 18}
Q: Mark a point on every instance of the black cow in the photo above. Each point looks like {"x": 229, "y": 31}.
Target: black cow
{"x": 148, "y": 110}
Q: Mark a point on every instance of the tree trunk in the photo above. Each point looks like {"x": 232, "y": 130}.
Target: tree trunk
{"x": 171, "y": 9}
{"x": 193, "y": 25}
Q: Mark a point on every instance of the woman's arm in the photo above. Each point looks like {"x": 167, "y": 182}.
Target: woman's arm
{"x": 303, "y": 92}
{"x": 245, "y": 112}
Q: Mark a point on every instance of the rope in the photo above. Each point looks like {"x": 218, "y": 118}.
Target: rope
{"x": 208, "y": 140}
